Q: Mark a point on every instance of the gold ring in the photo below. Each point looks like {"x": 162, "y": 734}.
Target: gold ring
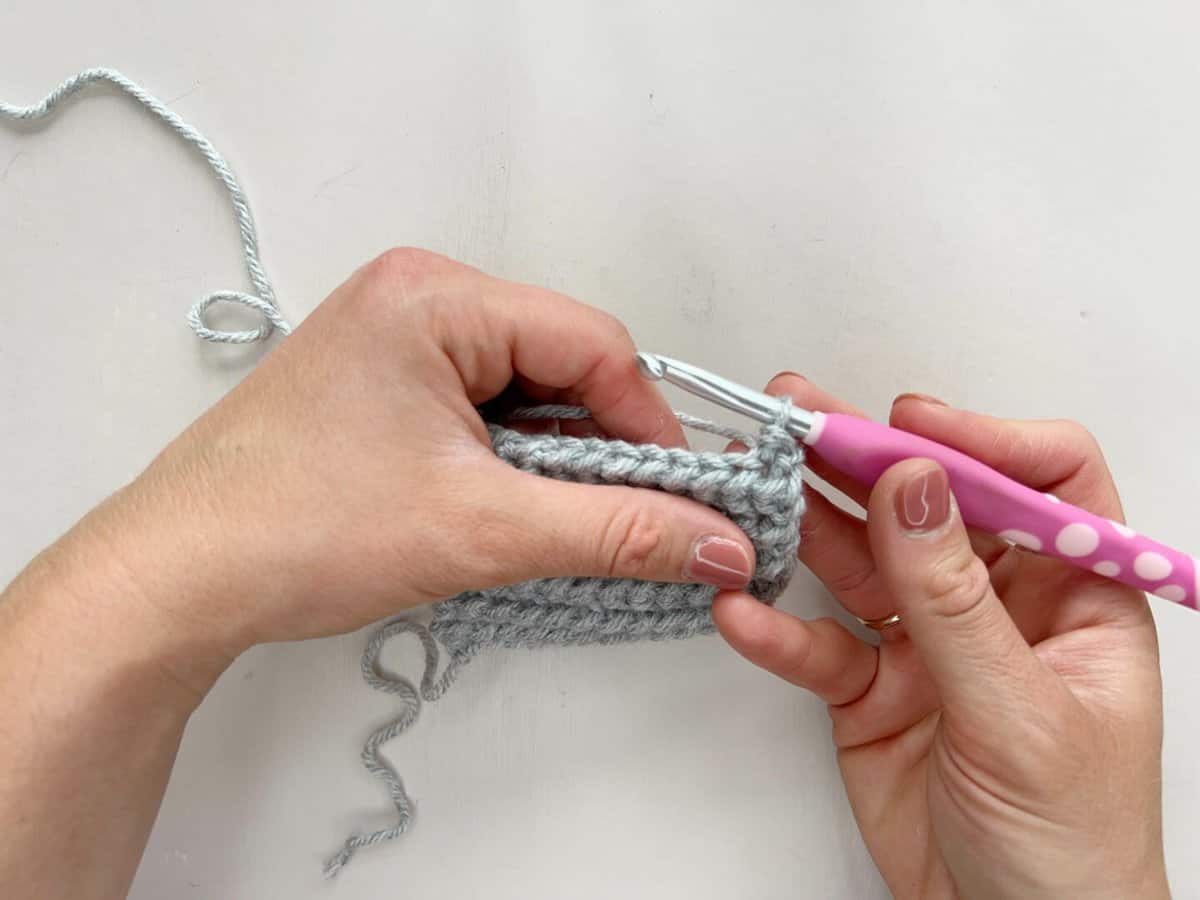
{"x": 881, "y": 624}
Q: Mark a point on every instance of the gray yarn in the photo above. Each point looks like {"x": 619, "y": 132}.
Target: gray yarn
{"x": 556, "y": 411}
{"x": 759, "y": 490}
{"x": 410, "y": 706}
{"x": 263, "y": 302}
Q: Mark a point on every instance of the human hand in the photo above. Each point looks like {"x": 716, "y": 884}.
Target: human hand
{"x": 1005, "y": 739}
{"x": 350, "y": 475}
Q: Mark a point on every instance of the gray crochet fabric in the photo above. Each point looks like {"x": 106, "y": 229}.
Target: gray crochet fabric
{"x": 759, "y": 490}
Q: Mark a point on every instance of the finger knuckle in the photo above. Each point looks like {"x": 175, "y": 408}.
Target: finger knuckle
{"x": 1079, "y": 435}
{"x": 852, "y": 581}
{"x": 632, "y": 542}
{"x": 613, "y": 327}
{"x": 1010, "y": 442}
{"x": 958, "y": 584}
{"x": 401, "y": 264}
{"x": 795, "y": 666}
{"x": 399, "y": 279}
{"x": 764, "y": 648}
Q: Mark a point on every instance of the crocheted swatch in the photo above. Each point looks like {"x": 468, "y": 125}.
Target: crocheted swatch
{"x": 759, "y": 490}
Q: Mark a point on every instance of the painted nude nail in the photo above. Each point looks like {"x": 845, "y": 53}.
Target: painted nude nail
{"x": 922, "y": 398}
{"x": 719, "y": 562}
{"x": 923, "y": 504}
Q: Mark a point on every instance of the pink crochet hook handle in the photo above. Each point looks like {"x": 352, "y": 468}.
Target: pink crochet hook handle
{"x": 998, "y": 505}
{"x": 992, "y": 502}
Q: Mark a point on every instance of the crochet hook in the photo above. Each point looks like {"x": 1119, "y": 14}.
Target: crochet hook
{"x": 987, "y": 500}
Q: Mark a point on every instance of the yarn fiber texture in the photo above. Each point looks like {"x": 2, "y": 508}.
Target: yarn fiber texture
{"x": 263, "y": 300}
{"x": 760, "y": 490}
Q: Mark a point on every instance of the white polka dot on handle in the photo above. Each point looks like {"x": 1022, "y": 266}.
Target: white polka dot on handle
{"x": 1107, "y": 568}
{"x": 1023, "y": 538}
{"x": 1052, "y": 498}
{"x": 1077, "y": 539}
{"x": 1122, "y": 530}
{"x": 1152, "y": 566}
{"x": 1173, "y": 592}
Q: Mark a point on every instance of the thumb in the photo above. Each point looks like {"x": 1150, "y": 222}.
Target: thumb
{"x": 979, "y": 661}
{"x": 620, "y": 532}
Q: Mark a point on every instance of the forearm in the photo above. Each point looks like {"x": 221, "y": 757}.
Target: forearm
{"x": 96, "y": 689}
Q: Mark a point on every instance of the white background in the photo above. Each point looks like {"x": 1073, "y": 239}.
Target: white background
{"x": 994, "y": 203}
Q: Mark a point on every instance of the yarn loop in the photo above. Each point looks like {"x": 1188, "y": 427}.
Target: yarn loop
{"x": 759, "y": 490}
{"x": 263, "y": 301}
{"x": 271, "y": 319}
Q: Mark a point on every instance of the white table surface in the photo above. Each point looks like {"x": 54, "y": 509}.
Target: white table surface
{"x": 996, "y": 204}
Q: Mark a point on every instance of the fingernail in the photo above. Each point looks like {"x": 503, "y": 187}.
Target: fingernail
{"x": 923, "y": 504}
{"x": 773, "y": 384}
{"x": 718, "y": 561}
{"x": 923, "y": 398}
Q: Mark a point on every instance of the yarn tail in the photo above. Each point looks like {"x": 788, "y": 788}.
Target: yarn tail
{"x": 410, "y": 698}
{"x": 263, "y": 300}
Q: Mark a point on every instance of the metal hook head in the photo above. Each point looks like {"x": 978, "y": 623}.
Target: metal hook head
{"x": 723, "y": 392}
{"x": 650, "y": 366}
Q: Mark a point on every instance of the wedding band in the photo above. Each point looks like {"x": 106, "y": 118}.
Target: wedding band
{"x": 881, "y": 624}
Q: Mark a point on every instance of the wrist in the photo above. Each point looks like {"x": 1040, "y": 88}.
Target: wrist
{"x": 1147, "y": 880}
{"x": 1150, "y": 884}
{"x": 111, "y": 591}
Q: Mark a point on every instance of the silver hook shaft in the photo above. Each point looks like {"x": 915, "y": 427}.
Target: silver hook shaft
{"x": 723, "y": 392}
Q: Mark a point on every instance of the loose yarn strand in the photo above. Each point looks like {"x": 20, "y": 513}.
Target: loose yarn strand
{"x": 576, "y": 413}
{"x": 432, "y": 687}
{"x": 759, "y": 490}
{"x": 263, "y": 300}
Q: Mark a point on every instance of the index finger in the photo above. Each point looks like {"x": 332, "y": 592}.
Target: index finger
{"x": 564, "y": 345}
{"x": 1055, "y": 456}
{"x": 808, "y": 395}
